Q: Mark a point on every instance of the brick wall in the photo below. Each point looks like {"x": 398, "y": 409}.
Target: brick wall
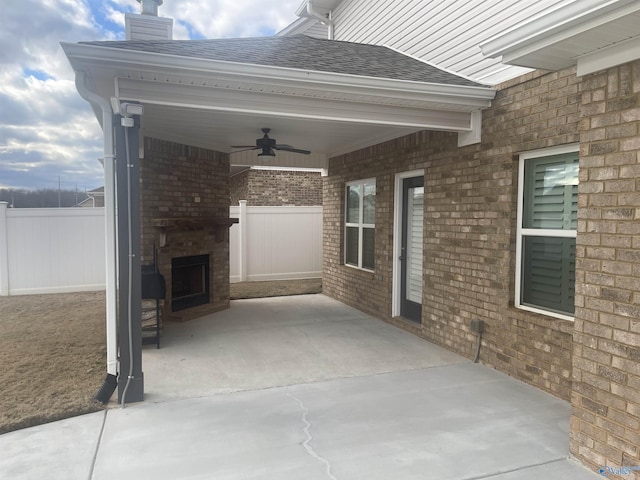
{"x": 605, "y": 426}
{"x": 470, "y": 225}
{"x": 370, "y": 292}
{"x": 469, "y": 247}
{"x": 238, "y": 187}
{"x": 277, "y": 188}
{"x": 182, "y": 181}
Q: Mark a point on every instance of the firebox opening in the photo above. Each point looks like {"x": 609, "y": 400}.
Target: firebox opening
{"x": 189, "y": 282}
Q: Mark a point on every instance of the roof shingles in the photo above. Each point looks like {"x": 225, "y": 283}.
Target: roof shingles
{"x": 304, "y": 53}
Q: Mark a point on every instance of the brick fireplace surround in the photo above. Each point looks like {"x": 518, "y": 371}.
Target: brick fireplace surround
{"x": 184, "y": 202}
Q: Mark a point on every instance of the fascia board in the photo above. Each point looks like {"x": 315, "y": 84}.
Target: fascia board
{"x": 302, "y": 9}
{"x": 551, "y": 27}
{"x": 360, "y": 93}
{"x": 613, "y": 55}
{"x": 188, "y": 96}
{"x": 478, "y": 97}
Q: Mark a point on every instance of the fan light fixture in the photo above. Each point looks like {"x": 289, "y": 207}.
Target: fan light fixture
{"x": 267, "y": 152}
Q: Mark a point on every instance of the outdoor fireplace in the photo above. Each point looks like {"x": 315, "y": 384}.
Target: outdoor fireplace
{"x": 189, "y": 282}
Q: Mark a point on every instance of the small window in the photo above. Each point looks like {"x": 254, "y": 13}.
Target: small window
{"x": 360, "y": 224}
{"x": 546, "y": 243}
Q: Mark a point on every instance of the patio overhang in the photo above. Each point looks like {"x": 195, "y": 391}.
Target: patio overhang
{"x": 214, "y": 104}
{"x": 592, "y": 34}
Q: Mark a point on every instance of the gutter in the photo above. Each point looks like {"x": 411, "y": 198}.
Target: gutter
{"x": 97, "y": 102}
{"x": 328, "y": 21}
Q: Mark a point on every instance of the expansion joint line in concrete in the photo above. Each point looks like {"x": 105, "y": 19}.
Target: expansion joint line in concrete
{"x": 95, "y": 453}
{"x": 307, "y": 431}
{"x": 519, "y": 469}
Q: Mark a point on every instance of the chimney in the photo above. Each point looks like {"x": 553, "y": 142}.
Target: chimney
{"x": 147, "y": 25}
{"x": 150, "y": 7}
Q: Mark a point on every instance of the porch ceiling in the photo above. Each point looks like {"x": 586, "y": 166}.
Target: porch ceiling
{"x": 214, "y": 104}
{"x": 217, "y": 130}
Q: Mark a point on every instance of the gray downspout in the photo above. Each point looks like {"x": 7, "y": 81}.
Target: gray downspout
{"x": 130, "y": 380}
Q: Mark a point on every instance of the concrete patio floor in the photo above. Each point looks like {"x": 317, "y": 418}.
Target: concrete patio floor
{"x": 306, "y": 388}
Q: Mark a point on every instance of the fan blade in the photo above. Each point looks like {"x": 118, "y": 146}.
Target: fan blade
{"x": 284, "y": 145}
{"x": 245, "y": 150}
{"x": 244, "y": 146}
{"x": 294, "y": 150}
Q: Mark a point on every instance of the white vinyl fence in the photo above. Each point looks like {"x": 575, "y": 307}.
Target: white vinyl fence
{"x": 54, "y": 250}
{"x": 275, "y": 243}
{"x": 51, "y": 250}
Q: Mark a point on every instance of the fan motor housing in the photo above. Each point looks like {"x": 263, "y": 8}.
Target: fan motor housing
{"x": 265, "y": 142}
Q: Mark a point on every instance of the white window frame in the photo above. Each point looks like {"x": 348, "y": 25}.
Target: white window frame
{"x": 521, "y": 232}
{"x": 360, "y": 225}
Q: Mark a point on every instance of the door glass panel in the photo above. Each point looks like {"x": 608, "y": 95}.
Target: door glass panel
{"x": 415, "y": 210}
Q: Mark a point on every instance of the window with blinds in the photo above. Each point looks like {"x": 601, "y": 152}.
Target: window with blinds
{"x": 360, "y": 224}
{"x": 547, "y": 221}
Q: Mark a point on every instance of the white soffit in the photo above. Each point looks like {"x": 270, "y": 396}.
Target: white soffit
{"x": 592, "y": 34}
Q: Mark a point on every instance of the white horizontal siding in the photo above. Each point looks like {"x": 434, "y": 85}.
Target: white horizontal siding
{"x": 446, "y": 33}
{"x": 317, "y": 30}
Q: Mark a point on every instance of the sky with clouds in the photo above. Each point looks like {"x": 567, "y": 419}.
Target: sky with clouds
{"x": 48, "y": 133}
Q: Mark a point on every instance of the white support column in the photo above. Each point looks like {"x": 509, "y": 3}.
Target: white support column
{"x": 111, "y": 260}
{"x": 110, "y": 220}
{"x": 243, "y": 241}
{"x": 4, "y": 251}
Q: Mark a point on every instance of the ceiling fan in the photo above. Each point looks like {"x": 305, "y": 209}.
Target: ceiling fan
{"x": 268, "y": 145}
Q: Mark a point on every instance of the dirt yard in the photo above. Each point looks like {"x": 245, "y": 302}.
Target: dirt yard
{"x": 53, "y": 354}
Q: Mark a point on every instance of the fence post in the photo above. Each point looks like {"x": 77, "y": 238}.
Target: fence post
{"x": 4, "y": 251}
{"x": 243, "y": 241}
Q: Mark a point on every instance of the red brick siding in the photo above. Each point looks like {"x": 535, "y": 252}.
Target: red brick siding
{"x": 275, "y": 188}
{"x": 238, "y": 187}
{"x": 470, "y": 224}
{"x": 182, "y": 181}
{"x": 605, "y": 423}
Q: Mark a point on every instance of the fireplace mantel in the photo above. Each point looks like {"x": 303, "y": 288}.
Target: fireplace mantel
{"x": 220, "y": 226}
